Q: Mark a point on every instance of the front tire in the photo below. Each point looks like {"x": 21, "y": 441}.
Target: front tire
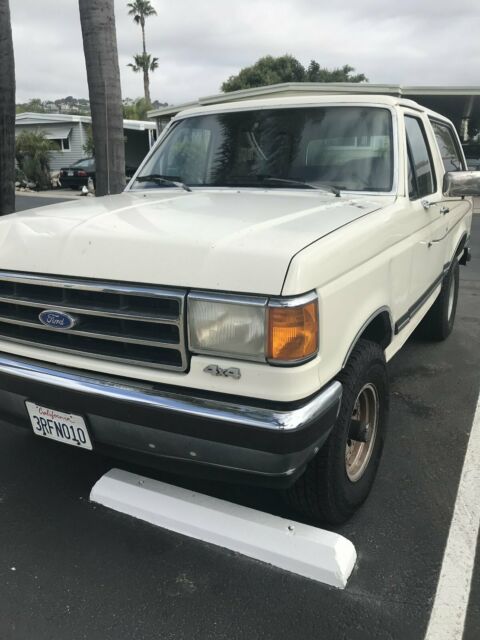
{"x": 338, "y": 480}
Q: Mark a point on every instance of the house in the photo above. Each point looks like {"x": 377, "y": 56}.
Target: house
{"x": 460, "y": 104}
{"x": 70, "y": 132}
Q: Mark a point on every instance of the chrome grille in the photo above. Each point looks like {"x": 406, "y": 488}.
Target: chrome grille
{"x": 139, "y": 325}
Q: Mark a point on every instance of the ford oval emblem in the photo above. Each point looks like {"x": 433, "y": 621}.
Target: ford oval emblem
{"x": 57, "y": 319}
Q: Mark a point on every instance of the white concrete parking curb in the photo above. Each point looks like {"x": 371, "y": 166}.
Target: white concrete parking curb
{"x": 299, "y": 548}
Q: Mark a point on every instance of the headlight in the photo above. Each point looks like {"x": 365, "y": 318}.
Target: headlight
{"x": 227, "y": 326}
{"x": 277, "y": 330}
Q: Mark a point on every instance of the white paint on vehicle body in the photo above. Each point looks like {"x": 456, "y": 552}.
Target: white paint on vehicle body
{"x": 360, "y": 253}
{"x": 310, "y": 552}
{"x": 447, "y": 619}
{"x": 238, "y": 240}
{"x": 257, "y": 381}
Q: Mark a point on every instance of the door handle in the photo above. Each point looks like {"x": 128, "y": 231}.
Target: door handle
{"x": 444, "y": 210}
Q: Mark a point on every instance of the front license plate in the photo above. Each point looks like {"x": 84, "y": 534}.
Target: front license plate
{"x": 59, "y": 426}
{"x": 70, "y": 173}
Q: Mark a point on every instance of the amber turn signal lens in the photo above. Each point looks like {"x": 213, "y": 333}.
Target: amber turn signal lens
{"x": 293, "y": 332}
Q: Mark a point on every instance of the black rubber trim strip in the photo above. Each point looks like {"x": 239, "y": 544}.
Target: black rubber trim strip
{"x": 193, "y": 469}
{"x": 405, "y": 319}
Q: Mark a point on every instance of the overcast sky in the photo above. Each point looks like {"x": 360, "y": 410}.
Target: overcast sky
{"x": 200, "y": 44}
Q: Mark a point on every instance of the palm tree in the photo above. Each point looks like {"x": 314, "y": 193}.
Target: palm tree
{"x": 7, "y": 112}
{"x": 140, "y": 10}
{"x": 144, "y": 62}
{"x": 97, "y": 18}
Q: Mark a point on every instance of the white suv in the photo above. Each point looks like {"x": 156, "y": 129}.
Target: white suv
{"x": 232, "y": 312}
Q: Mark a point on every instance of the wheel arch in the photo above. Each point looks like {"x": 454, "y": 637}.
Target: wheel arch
{"x": 378, "y": 328}
{"x": 461, "y": 244}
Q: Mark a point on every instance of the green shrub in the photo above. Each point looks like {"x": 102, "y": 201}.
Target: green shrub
{"x": 33, "y": 157}
{"x": 89, "y": 146}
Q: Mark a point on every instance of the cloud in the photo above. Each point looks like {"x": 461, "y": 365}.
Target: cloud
{"x": 200, "y": 44}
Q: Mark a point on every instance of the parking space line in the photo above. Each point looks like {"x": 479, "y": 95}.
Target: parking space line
{"x": 314, "y": 553}
{"x": 447, "y": 619}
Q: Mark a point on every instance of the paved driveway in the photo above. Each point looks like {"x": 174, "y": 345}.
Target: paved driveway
{"x": 32, "y": 201}
{"x": 71, "y": 570}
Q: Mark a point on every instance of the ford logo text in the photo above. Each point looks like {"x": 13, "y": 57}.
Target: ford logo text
{"x": 57, "y": 319}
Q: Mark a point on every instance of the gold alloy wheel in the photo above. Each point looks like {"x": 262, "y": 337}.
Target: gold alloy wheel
{"x": 363, "y": 432}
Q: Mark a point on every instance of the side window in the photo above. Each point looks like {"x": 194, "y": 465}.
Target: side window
{"x": 449, "y": 151}
{"x": 422, "y": 179}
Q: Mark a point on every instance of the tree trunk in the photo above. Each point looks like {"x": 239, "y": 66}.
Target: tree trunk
{"x": 146, "y": 77}
{"x": 146, "y": 86}
{"x": 97, "y": 18}
{"x": 142, "y": 24}
{"x": 7, "y": 112}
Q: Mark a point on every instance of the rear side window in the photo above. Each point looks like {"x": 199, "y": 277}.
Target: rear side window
{"x": 421, "y": 176}
{"x": 447, "y": 144}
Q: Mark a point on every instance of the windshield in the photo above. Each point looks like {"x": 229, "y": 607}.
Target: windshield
{"x": 348, "y": 148}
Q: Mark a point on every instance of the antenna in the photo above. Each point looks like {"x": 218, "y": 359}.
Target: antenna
{"x": 107, "y": 149}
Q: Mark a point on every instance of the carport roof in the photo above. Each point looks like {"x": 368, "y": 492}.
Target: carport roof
{"x": 456, "y": 98}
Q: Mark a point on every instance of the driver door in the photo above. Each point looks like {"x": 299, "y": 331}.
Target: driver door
{"x": 432, "y": 225}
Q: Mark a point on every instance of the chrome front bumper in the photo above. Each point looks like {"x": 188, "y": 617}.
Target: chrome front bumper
{"x": 162, "y": 424}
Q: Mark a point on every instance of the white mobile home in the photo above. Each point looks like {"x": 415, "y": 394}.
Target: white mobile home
{"x": 70, "y": 133}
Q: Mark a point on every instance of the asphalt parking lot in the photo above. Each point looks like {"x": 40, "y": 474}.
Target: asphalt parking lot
{"x": 41, "y": 200}
{"x": 73, "y": 570}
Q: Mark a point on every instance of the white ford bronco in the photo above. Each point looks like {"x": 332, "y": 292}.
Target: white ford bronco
{"x": 232, "y": 312}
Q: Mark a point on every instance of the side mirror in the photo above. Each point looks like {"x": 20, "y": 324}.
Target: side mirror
{"x": 461, "y": 183}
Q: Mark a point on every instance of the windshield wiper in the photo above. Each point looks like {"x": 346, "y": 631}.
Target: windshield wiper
{"x": 299, "y": 183}
{"x": 155, "y": 177}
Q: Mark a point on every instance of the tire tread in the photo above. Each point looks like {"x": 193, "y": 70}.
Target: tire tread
{"x": 313, "y": 493}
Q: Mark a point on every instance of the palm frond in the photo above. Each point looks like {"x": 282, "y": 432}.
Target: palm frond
{"x": 137, "y": 64}
{"x": 141, "y": 9}
{"x": 143, "y": 62}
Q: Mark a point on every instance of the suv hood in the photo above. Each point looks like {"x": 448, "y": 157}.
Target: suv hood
{"x": 229, "y": 240}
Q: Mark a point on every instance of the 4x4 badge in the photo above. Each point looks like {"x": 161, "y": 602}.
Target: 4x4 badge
{"x": 231, "y": 372}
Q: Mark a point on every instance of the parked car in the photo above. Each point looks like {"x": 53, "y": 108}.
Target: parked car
{"x": 232, "y": 312}
{"x": 76, "y": 176}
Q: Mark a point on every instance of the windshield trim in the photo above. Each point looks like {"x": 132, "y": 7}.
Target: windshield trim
{"x": 244, "y": 107}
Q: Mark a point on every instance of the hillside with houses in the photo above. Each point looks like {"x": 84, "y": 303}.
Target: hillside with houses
{"x": 134, "y": 109}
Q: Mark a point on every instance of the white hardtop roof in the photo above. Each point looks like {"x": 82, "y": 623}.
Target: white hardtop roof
{"x": 299, "y": 101}
{"x": 29, "y": 118}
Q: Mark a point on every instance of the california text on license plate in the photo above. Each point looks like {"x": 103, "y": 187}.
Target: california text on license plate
{"x": 59, "y": 426}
